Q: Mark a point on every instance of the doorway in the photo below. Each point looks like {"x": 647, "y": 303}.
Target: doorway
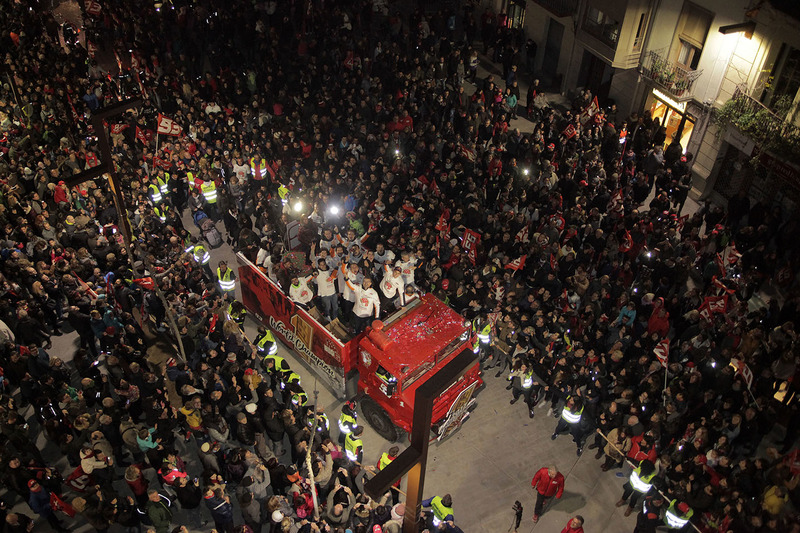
{"x": 595, "y": 75}
{"x": 552, "y": 51}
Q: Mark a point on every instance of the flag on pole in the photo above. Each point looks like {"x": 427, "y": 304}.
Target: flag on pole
{"x": 470, "y": 244}
{"x": 522, "y": 235}
{"x": 682, "y": 222}
{"x": 167, "y": 126}
{"x": 442, "y": 225}
{"x": 570, "y": 131}
{"x": 518, "y": 263}
{"x": 591, "y": 110}
{"x": 743, "y": 370}
{"x": 163, "y": 163}
{"x": 662, "y": 352}
{"x": 553, "y": 263}
{"x": 118, "y": 128}
{"x": 143, "y": 135}
{"x": 467, "y": 153}
{"x": 626, "y": 243}
{"x": 721, "y": 264}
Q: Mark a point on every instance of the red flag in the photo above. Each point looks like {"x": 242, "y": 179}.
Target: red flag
{"x": 682, "y": 222}
{"x": 627, "y": 242}
{"x": 720, "y": 285}
{"x": 167, "y": 126}
{"x": 158, "y": 162}
{"x": 517, "y": 264}
{"x": 91, "y": 159}
{"x": 92, "y": 7}
{"x": 140, "y": 135}
{"x": 553, "y": 263}
{"x": 442, "y": 225}
{"x": 467, "y": 153}
{"x": 731, "y": 254}
{"x": 616, "y": 201}
{"x": 522, "y": 235}
{"x": 212, "y": 323}
{"x": 662, "y": 352}
{"x": 712, "y": 305}
{"x": 118, "y": 128}
{"x": 720, "y": 264}
{"x": 135, "y": 64}
{"x": 145, "y": 283}
{"x": 435, "y": 188}
{"x": 560, "y": 222}
{"x": 591, "y": 110}
{"x": 57, "y": 504}
{"x": 470, "y": 244}
{"x": 570, "y": 131}
{"x": 747, "y": 374}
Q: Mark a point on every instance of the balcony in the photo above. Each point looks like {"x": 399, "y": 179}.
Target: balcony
{"x": 559, "y": 8}
{"x": 766, "y": 127}
{"x": 668, "y": 75}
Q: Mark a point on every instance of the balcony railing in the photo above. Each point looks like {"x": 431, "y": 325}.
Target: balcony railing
{"x": 673, "y": 78}
{"x": 769, "y": 130}
{"x": 559, "y": 8}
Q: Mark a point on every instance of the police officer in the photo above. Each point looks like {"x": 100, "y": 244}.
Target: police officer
{"x": 323, "y": 424}
{"x": 678, "y": 515}
{"x": 383, "y": 462}
{"x": 226, "y": 280}
{"x": 265, "y": 344}
{"x": 209, "y": 190}
{"x": 237, "y": 313}
{"x": 202, "y": 257}
{"x": 524, "y": 383}
{"x": 353, "y": 446}
{"x": 639, "y": 484}
{"x": 442, "y": 508}
{"x": 154, "y": 191}
{"x": 649, "y": 518}
{"x": 348, "y": 420}
{"x": 571, "y": 418}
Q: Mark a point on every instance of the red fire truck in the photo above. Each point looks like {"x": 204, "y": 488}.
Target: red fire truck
{"x": 383, "y": 366}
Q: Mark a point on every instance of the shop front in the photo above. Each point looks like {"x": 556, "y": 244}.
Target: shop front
{"x": 673, "y": 115}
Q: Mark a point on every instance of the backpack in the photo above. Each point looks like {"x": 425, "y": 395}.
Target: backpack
{"x": 213, "y": 237}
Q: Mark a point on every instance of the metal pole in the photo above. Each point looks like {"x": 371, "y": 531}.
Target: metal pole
{"x": 308, "y": 455}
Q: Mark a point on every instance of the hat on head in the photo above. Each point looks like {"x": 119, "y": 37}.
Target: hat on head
{"x": 31, "y": 483}
{"x": 205, "y": 447}
{"x": 250, "y": 408}
{"x": 277, "y": 516}
{"x": 111, "y": 330}
{"x": 231, "y": 357}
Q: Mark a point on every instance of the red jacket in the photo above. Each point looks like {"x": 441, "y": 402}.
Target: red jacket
{"x": 547, "y": 486}
{"x": 569, "y": 529}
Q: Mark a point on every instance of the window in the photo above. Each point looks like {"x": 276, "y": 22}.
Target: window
{"x": 688, "y": 55}
{"x": 690, "y": 36}
{"x": 601, "y": 26}
{"x": 640, "y": 31}
{"x": 786, "y": 75}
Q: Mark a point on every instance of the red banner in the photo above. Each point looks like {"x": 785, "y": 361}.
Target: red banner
{"x": 470, "y": 244}
{"x": 295, "y": 327}
{"x": 144, "y": 136}
{"x": 517, "y": 264}
{"x": 167, "y": 126}
{"x": 662, "y": 352}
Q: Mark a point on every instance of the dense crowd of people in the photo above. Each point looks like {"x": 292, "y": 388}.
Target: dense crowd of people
{"x": 565, "y": 247}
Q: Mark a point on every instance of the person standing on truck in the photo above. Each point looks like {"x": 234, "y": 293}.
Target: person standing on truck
{"x": 547, "y": 482}
{"x": 348, "y": 276}
{"x": 353, "y": 446}
{"x": 442, "y": 508}
{"x": 383, "y": 462}
{"x": 226, "y": 280}
{"x": 392, "y": 286}
{"x": 299, "y": 291}
{"x": 348, "y": 421}
{"x": 367, "y": 304}
{"x": 325, "y": 278}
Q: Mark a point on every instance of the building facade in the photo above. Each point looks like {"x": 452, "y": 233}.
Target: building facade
{"x": 683, "y": 62}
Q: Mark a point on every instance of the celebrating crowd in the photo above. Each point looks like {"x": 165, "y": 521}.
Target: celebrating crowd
{"x": 635, "y": 327}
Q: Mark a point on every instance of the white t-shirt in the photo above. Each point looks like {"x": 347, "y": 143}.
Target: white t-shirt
{"x": 241, "y": 171}
{"x": 391, "y": 286}
{"x": 326, "y": 282}
{"x": 367, "y": 302}
{"x": 301, "y": 293}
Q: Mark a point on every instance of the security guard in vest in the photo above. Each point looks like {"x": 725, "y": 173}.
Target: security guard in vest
{"x": 237, "y": 312}
{"x": 524, "y": 383}
{"x": 353, "y": 447}
{"x": 348, "y": 420}
{"x": 160, "y": 211}
{"x": 383, "y": 462}
{"x": 283, "y": 193}
{"x": 258, "y": 166}
{"x": 299, "y": 398}
{"x": 442, "y": 510}
{"x": 202, "y": 257}
{"x": 226, "y": 280}
{"x": 483, "y": 329}
{"x": 209, "y": 190}
{"x": 323, "y": 424}
{"x": 639, "y": 483}
{"x": 571, "y": 418}
{"x": 288, "y": 378}
{"x": 678, "y": 515}
{"x": 163, "y": 183}
{"x": 274, "y": 365}
{"x": 265, "y": 344}
{"x": 156, "y": 196}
